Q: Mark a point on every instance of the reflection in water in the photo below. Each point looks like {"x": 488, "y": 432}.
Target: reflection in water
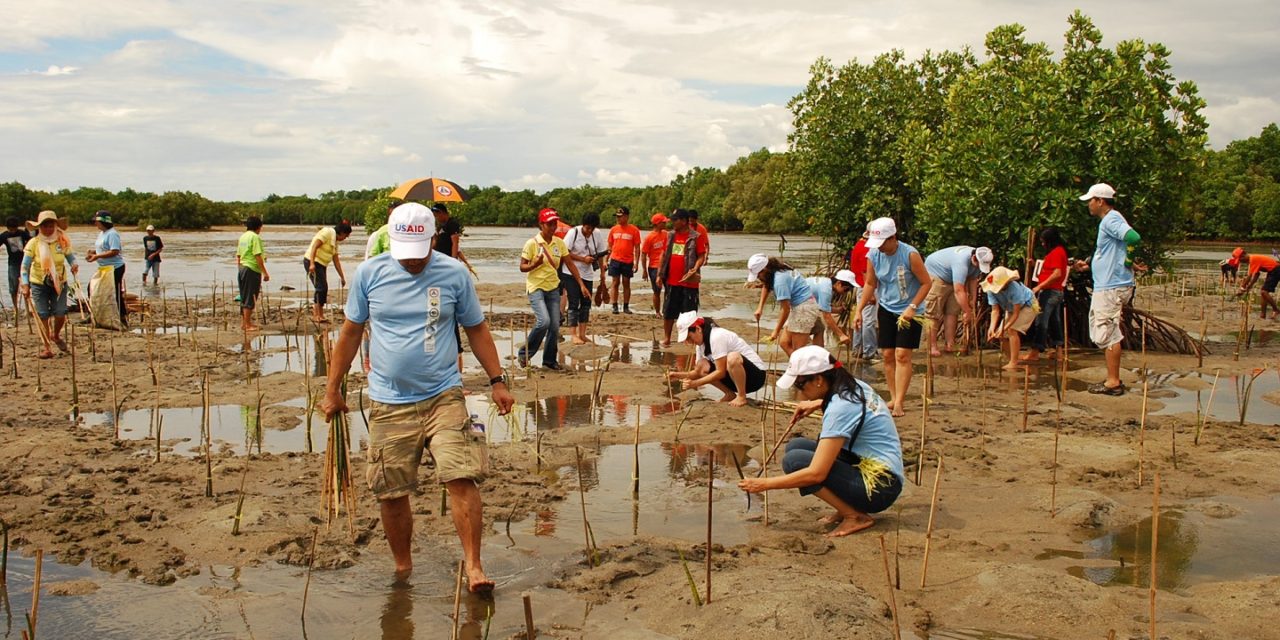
{"x": 397, "y": 613}
{"x": 1175, "y": 548}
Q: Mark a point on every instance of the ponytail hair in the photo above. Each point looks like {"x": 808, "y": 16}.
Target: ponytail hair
{"x": 771, "y": 269}
{"x": 841, "y": 383}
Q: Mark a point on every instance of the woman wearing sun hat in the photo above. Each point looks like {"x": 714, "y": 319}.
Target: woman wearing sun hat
{"x": 855, "y": 465}
{"x": 898, "y": 280}
{"x": 1016, "y": 303}
{"x": 106, "y": 252}
{"x": 44, "y": 277}
{"x": 724, "y": 360}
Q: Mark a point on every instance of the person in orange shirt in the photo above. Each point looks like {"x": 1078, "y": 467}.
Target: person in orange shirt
{"x": 693, "y": 222}
{"x": 624, "y": 257}
{"x": 654, "y": 245}
{"x": 1259, "y": 263}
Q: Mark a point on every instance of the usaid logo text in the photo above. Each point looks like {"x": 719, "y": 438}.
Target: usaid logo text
{"x": 410, "y": 228}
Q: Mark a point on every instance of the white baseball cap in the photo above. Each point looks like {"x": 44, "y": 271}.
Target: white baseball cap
{"x": 846, "y": 276}
{"x": 984, "y": 256}
{"x": 411, "y": 228}
{"x": 683, "y": 322}
{"x": 805, "y": 361}
{"x": 879, "y": 230}
{"x": 756, "y": 264}
{"x": 151, "y": 227}
{"x": 1100, "y": 190}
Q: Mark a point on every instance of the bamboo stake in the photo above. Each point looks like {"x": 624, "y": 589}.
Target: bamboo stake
{"x": 528, "y": 617}
{"x": 457, "y": 601}
{"x": 928, "y": 533}
{"x": 1142, "y": 431}
{"x": 208, "y": 444}
{"x": 4, "y": 555}
{"x": 1155, "y": 536}
{"x": 897, "y": 544}
{"x": 115, "y": 391}
{"x": 924, "y": 421}
{"x": 1205, "y": 419}
{"x": 582, "y": 496}
{"x": 711, "y": 491}
{"x": 75, "y": 385}
{"x": 34, "y": 616}
{"x": 764, "y": 470}
{"x": 1026, "y": 393}
{"x": 635, "y": 457}
{"x": 893, "y": 602}
{"x": 235, "y": 528}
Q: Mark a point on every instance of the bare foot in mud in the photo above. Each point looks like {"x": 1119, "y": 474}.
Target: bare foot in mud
{"x": 851, "y": 524}
{"x": 477, "y": 582}
{"x": 738, "y": 401}
{"x": 401, "y": 577}
{"x": 897, "y": 412}
{"x": 1012, "y": 365}
{"x": 834, "y": 518}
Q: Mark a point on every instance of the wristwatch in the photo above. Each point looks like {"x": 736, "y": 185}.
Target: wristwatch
{"x": 500, "y": 378}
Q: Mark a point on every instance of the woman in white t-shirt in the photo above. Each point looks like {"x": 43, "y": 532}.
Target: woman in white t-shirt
{"x": 725, "y": 360}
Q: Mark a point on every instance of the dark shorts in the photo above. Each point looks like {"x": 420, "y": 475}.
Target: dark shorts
{"x": 755, "y": 377}
{"x": 843, "y": 479}
{"x": 678, "y": 300}
{"x": 1228, "y": 269}
{"x": 891, "y": 337}
{"x": 653, "y": 280}
{"x": 579, "y": 309}
{"x": 623, "y": 269}
{"x": 1273, "y": 279}
{"x": 250, "y": 282}
{"x": 319, "y": 280}
{"x": 47, "y": 303}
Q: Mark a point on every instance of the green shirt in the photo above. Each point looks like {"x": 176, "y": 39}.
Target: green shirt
{"x": 250, "y": 245}
{"x": 379, "y": 243}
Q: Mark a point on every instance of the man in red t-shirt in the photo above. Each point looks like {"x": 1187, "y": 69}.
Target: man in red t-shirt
{"x": 866, "y": 342}
{"x": 624, "y": 257}
{"x": 1259, "y": 263}
{"x": 654, "y": 245}
{"x": 681, "y": 270}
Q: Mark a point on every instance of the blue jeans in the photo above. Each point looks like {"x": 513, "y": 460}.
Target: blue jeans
{"x": 866, "y": 340}
{"x": 546, "y": 314}
{"x": 1048, "y": 325}
{"x": 842, "y": 479}
{"x": 151, "y": 267}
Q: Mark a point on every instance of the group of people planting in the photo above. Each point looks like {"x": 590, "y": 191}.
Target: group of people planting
{"x": 413, "y": 296}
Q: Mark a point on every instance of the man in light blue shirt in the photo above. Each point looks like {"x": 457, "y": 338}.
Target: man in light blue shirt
{"x": 1112, "y": 282}
{"x": 413, "y": 298}
{"x": 955, "y": 272}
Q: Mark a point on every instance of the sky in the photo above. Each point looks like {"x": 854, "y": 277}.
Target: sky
{"x": 238, "y": 100}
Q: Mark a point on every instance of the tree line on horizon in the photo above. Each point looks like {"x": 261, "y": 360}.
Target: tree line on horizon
{"x": 957, "y": 150}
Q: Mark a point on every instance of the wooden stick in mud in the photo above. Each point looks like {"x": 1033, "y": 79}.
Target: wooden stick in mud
{"x": 928, "y": 532}
{"x": 1155, "y": 537}
{"x": 115, "y": 391}
{"x": 529, "y": 633}
{"x": 4, "y": 555}
{"x": 924, "y": 421}
{"x": 208, "y": 438}
{"x": 635, "y": 457}
{"x": 764, "y": 470}
{"x": 711, "y": 492}
{"x": 1208, "y": 405}
{"x": 893, "y": 601}
{"x": 457, "y": 601}
{"x": 306, "y": 587}
{"x": 34, "y": 616}
{"x": 75, "y": 384}
{"x": 1026, "y": 393}
{"x": 767, "y": 460}
{"x": 1204, "y": 330}
{"x": 1142, "y": 431}
{"x": 235, "y": 528}
{"x": 582, "y": 496}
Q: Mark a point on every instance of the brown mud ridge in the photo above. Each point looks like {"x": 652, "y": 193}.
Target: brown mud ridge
{"x": 80, "y": 495}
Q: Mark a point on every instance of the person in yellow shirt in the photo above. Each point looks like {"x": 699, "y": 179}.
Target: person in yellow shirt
{"x": 323, "y": 250}
{"x": 44, "y": 278}
{"x": 540, "y": 262}
{"x": 251, "y": 264}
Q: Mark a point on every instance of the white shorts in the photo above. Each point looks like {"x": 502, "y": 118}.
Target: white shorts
{"x": 1104, "y": 316}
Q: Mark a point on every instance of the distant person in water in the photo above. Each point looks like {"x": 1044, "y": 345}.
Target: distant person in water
{"x": 152, "y": 245}
{"x": 322, "y": 251}
{"x": 15, "y": 239}
{"x": 724, "y": 360}
{"x": 251, "y": 266}
{"x": 1231, "y": 266}
{"x": 855, "y": 465}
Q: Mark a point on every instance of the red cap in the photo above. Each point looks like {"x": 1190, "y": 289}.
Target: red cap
{"x": 548, "y": 215}
{"x": 658, "y": 218}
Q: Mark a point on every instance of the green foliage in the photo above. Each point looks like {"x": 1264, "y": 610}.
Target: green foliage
{"x": 1236, "y": 190}
{"x": 755, "y": 197}
{"x": 960, "y": 152}
{"x": 376, "y": 212}
{"x": 19, "y": 201}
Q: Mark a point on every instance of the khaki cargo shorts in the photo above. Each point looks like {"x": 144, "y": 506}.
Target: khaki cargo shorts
{"x": 804, "y": 317}
{"x": 941, "y": 300}
{"x": 1104, "y": 316}
{"x": 399, "y": 433}
{"x": 1026, "y": 317}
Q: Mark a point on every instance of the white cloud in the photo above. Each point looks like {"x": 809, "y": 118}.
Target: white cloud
{"x": 294, "y": 96}
{"x": 55, "y": 70}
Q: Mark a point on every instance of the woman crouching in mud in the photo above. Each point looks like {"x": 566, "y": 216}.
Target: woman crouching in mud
{"x": 856, "y": 463}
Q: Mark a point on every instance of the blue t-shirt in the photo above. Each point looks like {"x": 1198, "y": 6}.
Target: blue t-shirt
{"x": 822, "y": 292}
{"x": 792, "y": 287}
{"x": 952, "y": 265}
{"x": 1108, "y": 267}
{"x": 1014, "y": 293}
{"x": 879, "y": 436}
{"x": 896, "y": 284}
{"x": 412, "y": 335}
{"x": 107, "y": 241}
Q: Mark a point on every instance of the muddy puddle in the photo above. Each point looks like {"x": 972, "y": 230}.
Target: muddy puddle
{"x": 1190, "y": 394}
{"x": 234, "y": 429}
{"x": 361, "y": 602}
{"x": 1217, "y": 539}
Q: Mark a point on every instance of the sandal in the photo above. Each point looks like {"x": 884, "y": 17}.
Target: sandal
{"x": 1101, "y": 388}
{"x": 62, "y": 345}
{"x": 45, "y": 355}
